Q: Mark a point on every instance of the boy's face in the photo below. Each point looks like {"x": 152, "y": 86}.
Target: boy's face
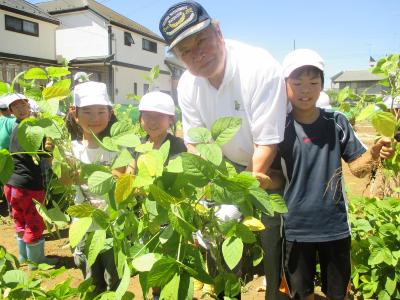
{"x": 20, "y": 109}
{"x": 303, "y": 91}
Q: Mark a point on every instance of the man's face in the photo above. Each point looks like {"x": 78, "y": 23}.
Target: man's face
{"x": 20, "y": 109}
{"x": 203, "y": 53}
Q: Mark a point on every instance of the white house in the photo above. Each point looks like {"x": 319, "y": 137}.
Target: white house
{"x": 115, "y": 49}
{"x": 27, "y": 38}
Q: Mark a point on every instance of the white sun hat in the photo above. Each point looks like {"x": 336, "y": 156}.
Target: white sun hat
{"x": 11, "y": 98}
{"x": 300, "y": 58}
{"x": 388, "y": 101}
{"x": 91, "y": 93}
{"x": 323, "y": 101}
{"x": 158, "y": 102}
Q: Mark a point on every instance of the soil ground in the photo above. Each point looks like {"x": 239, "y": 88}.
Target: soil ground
{"x": 59, "y": 247}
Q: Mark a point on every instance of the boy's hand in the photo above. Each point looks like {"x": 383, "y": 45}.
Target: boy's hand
{"x": 383, "y": 149}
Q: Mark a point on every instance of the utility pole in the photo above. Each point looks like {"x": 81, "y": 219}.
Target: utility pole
{"x": 294, "y": 44}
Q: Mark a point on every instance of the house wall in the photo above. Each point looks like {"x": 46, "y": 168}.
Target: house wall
{"x": 370, "y": 87}
{"x": 125, "y": 78}
{"x": 82, "y": 34}
{"x": 42, "y": 46}
{"x": 135, "y": 54}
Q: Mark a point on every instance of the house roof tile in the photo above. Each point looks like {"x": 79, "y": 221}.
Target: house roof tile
{"x": 27, "y": 9}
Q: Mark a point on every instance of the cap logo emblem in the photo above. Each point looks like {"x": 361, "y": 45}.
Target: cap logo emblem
{"x": 178, "y": 19}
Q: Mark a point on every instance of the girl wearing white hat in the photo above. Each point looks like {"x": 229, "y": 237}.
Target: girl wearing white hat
{"x": 92, "y": 112}
{"x": 157, "y": 116}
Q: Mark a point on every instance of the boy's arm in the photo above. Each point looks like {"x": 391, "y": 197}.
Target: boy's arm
{"x": 365, "y": 163}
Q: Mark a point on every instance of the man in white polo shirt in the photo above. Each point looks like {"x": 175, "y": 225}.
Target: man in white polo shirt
{"x": 229, "y": 78}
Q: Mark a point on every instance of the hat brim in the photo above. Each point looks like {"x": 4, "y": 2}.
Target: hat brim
{"x": 157, "y": 110}
{"x": 293, "y": 67}
{"x": 190, "y": 31}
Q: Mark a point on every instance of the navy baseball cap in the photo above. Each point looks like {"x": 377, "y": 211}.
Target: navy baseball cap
{"x": 182, "y": 20}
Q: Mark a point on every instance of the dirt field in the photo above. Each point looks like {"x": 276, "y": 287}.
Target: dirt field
{"x": 59, "y": 247}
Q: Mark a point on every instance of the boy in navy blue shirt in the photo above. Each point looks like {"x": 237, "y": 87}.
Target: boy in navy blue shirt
{"x": 316, "y": 140}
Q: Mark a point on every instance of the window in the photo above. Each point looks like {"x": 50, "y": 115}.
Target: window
{"x": 128, "y": 40}
{"x": 21, "y": 26}
{"x": 145, "y": 88}
{"x": 149, "y": 46}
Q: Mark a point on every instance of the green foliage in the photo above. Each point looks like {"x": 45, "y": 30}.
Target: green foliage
{"x": 150, "y": 218}
{"x": 375, "y": 250}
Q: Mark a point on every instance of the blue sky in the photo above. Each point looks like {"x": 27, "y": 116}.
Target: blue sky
{"x": 345, "y": 32}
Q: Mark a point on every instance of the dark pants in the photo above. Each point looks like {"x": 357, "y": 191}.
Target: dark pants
{"x": 271, "y": 241}
{"x": 103, "y": 271}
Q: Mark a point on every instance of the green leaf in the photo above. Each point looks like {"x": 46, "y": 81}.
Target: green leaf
{"x": 58, "y": 91}
{"x": 384, "y": 123}
{"x": 199, "y": 135}
{"x": 35, "y": 73}
{"x": 96, "y": 245}
{"x": 124, "y": 284}
{"x": 175, "y": 165}
{"x": 257, "y": 254}
{"x": 100, "y": 182}
{"x": 57, "y": 71}
{"x": 211, "y": 152}
{"x": 232, "y": 250}
{"x": 366, "y": 113}
{"x": 123, "y": 134}
{"x": 78, "y": 229}
{"x": 4, "y": 88}
{"x": 166, "y": 234}
{"x": 361, "y": 225}
{"x": 145, "y": 262}
{"x": 122, "y": 160}
{"x": 30, "y": 136}
{"x": 162, "y": 272}
{"x": 50, "y": 128}
{"x": 150, "y": 164}
{"x": 6, "y": 166}
{"x": 390, "y": 285}
{"x": 261, "y": 200}
{"x": 383, "y": 295}
{"x": 278, "y": 203}
{"x": 164, "y": 150}
{"x": 81, "y": 210}
{"x": 245, "y": 234}
{"x": 178, "y": 222}
{"x": 224, "y": 129}
{"x": 200, "y": 170}
{"x": 143, "y": 148}
{"x": 15, "y": 276}
{"x": 171, "y": 289}
{"x": 57, "y": 216}
{"x": 162, "y": 198}
{"x": 50, "y": 106}
{"x": 124, "y": 187}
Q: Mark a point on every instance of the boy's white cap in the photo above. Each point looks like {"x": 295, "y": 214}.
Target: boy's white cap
{"x": 11, "y": 98}
{"x": 158, "y": 102}
{"x": 388, "y": 101}
{"x": 300, "y": 58}
{"x": 323, "y": 101}
{"x": 91, "y": 93}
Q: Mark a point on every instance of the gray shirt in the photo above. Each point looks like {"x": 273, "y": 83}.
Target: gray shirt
{"x": 311, "y": 161}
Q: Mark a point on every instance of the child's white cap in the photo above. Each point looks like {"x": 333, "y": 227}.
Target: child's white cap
{"x": 300, "y": 58}
{"x": 91, "y": 93}
{"x": 158, "y": 102}
{"x": 11, "y": 98}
